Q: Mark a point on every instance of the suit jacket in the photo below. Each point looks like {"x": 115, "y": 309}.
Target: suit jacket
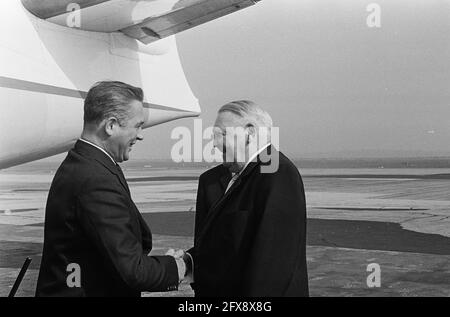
{"x": 252, "y": 240}
{"x": 91, "y": 220}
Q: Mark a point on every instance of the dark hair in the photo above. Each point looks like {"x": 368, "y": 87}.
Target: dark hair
{"x": 110, "y": 99}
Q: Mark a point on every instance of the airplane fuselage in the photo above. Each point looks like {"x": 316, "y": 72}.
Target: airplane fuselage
{"x": 46, "y": 70}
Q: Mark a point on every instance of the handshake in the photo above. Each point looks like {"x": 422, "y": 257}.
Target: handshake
{"x": 184, "y": 263}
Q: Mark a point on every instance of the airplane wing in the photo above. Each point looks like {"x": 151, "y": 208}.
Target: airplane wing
{"x": 144, "y": 20}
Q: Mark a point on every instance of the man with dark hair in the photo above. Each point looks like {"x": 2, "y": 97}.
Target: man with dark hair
{"x": 96, "y": 242}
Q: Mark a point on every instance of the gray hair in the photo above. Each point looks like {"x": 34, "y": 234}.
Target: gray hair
{"x": 250, "y": 111}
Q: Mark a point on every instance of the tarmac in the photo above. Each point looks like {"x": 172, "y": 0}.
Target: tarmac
{"x": 398, "y": 220}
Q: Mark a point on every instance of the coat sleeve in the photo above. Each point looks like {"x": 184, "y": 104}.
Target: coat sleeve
{"x": 147, "y": 242}
{"x": 278, "y": 248}
{"x": 104, "y": 213}
{"x": 200, "y": 213}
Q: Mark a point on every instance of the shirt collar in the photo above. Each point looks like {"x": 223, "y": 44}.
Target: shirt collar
{"x": 95, "y": 145}
{"x": 254, "y": 156}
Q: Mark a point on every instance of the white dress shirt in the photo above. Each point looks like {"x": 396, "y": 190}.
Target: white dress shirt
{"x": 86, "y": 141}
{"x": 236, "y": 175}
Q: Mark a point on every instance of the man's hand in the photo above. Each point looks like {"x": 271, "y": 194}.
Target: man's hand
{"x": 175, "y": 253}
{"x": 184, "y": 263}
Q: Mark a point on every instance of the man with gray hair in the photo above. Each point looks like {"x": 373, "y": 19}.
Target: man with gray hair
{"x": 250, "y": 223}
{"x": 96, "y": 242}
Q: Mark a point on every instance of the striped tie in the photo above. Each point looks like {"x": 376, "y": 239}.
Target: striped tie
{"x": 232, "y": 180}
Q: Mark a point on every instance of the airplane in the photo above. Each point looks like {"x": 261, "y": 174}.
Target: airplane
{"x": 51, "y": 52}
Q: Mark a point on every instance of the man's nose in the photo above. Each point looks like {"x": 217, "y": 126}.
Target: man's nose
{"x": 140, "y": 136}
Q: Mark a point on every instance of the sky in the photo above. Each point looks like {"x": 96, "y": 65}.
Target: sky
{"x": 334, "y": 86}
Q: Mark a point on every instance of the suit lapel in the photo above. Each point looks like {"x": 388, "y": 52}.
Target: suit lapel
{"x": 224, "y": 179}
{"x": 215, "y": 187}
{"x": 92, "y": 152}
{"x": 214, "y": 211}
{"x": 122, "y": 179}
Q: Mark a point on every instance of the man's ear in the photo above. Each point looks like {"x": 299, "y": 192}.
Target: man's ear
{"x": 251, "y": 132}
{"x": 110, "y": 125}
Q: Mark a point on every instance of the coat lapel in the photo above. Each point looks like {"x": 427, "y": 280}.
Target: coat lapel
{"x": 92, "y": 152}
{"x": 214, "y": 211}
{"x": 122, "y": 179}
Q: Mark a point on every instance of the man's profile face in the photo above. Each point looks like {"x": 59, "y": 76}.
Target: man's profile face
{"x": 127, "y": 134}
{"x": 230, "y": 139}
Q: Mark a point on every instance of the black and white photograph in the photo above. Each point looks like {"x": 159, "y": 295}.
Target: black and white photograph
{"x": 232, "y": 150}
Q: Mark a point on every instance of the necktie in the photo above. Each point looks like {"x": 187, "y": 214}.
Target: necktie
{"x": 232, "y": 180}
